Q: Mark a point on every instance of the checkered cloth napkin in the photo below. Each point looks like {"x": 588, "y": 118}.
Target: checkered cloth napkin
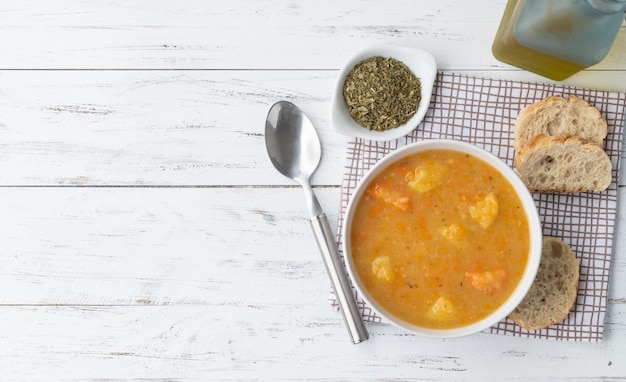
{"x": 482, "y": 112}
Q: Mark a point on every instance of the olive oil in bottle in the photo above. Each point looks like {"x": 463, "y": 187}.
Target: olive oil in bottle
{"x": 557, "y": 38}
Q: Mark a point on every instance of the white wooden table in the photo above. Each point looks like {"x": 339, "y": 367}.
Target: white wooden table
{"x": 145, "y": 235}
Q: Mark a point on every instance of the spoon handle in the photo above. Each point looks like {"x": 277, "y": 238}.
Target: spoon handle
{"x": 339, "y": 279}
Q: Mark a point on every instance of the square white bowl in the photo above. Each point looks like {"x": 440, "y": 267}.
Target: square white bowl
{"x": 419, "y": 61}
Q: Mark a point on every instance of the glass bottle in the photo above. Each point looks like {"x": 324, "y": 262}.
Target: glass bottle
{"x": 557, "y": 38}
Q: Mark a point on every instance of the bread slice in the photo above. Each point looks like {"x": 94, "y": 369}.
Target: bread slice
{"x": 563, "y": 163}
{"x": 556, "y": 115}
{"x": 554, "y": 290}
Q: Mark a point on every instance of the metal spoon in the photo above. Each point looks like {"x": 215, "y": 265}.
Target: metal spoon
{"x": 295, "y": 150}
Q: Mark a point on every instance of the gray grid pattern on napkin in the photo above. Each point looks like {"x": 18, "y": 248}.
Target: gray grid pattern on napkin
{"x": 482, "y": 112}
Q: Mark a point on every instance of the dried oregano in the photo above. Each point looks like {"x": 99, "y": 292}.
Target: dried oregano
{"x": 381, "y": 93}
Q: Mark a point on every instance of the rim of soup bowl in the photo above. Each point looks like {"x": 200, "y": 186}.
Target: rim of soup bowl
{"x": 535, "y": 232}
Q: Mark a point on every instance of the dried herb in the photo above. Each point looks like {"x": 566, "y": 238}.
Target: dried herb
{"x": 381, "y": 93}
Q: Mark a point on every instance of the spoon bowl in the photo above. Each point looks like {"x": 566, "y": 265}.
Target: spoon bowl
{"x": 295, "y": 152}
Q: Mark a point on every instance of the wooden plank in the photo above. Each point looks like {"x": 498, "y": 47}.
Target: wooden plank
{"x": 83, "y": 128}
{"x": 157, "y": 246}
{"x": 246, "y": 34}
{"x": 161, "y": 246}
{"x": 240, "y": 341}
{"x": 152, "y": 128}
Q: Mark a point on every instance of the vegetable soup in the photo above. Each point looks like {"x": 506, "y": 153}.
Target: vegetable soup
{"x": 440, "y": 239}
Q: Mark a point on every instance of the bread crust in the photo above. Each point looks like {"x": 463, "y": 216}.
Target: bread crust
{"x": 554, "y": 292}
{"x": 556, "y": 115}
{"x": 576, "y": 164}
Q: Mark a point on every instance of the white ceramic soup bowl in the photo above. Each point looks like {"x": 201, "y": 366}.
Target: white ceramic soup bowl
{"x": 535, "y": 236}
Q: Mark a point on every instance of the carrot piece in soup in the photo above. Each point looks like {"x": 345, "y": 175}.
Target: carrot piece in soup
{"x": 382, "y": 269}
{"x": 389, "y": 195}
{"x": 487, "y": 281}
{"x": 402, "y": 169}
{"x": 426, "y": 176}
{"x": 485, "y": 210}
